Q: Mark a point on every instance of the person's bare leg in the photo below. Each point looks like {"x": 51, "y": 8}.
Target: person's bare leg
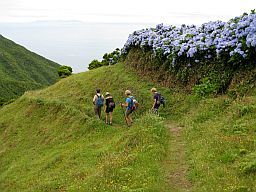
{"x": 96, "y": 112}
{"x": 110, "y": 118}
{"x": 131, "y": 119}
{"x": 128, "y": 120}
{"x": 99, "y": 111}
{"x": 106, "y": 118}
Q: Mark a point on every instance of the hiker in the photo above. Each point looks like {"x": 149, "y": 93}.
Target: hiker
{"x": 98, "y": 101}
{"x": 129, "y": 107}
{"x": 109, "y": 107}
{"x": 156, "y": 102}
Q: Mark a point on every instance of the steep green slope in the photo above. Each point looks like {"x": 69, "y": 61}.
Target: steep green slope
{"x": 50, "y": 140}
{"x": 220, "y": 141}
{"x": 22, "y": 70}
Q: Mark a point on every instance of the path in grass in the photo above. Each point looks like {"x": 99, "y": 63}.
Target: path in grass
{"x": 176, "y": 163}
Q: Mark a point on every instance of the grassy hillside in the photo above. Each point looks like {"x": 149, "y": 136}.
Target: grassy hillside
{"x": 22, "y": 70}
{"x": 220, "y": 141}
{"x": 50, "y": 140}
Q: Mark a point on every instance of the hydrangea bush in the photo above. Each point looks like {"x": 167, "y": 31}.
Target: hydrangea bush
{"x": 234, "y": 40}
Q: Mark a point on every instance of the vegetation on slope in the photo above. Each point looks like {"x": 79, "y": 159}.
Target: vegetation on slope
{"x": 205, "y": 78}
{"x": 209, "y": 61}
{"x": 52, "y": 142}
{"x": 217, "y": 56}
{"x": 219, "y": 129}
{"x": 219, "y": 135}
{"x": 107, "y": 59}
{"x": 22, "y": 70}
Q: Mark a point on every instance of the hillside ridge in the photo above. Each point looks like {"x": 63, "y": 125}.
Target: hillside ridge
{"x": 22, "y": 70}
{"x": 52, "y": 141}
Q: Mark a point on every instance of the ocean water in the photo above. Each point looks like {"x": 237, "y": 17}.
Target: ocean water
{"x": 70, "y": 42}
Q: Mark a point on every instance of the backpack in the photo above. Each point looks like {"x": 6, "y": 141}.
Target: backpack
{"x": 134, "y": 103}
{"x": 99, "y": 101}
{"x": 111, "y": 104}
{"x": 162, "y": 99}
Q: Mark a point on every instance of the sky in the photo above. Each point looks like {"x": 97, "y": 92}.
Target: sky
{"x": 20, "y": 21}
{"x": 130, "y": 11}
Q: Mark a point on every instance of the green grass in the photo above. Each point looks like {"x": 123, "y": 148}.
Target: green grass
{"x": 51, "y": 141}
{"x": 22, "y": 70}
{"x": 220, "y": 136}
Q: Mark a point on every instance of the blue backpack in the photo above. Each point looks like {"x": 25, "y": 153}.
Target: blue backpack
{"x": 99, "y": 102}
{"x": 134, "y": 103}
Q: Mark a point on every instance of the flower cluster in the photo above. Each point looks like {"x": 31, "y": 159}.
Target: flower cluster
{"x": 235, "y": 37}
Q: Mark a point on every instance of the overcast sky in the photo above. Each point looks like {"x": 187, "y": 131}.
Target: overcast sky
{"x": 138, "y": 11}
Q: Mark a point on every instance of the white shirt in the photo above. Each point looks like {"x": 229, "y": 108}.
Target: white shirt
{"x": 96, "y": 97}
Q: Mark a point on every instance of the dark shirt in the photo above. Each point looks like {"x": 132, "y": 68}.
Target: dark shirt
{"x": 108, "y": 100}
{"x": 157, "y": 100}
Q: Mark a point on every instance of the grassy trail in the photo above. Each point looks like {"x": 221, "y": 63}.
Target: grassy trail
{"x": 175, "y": 162}
{"x": 51, "y": 141}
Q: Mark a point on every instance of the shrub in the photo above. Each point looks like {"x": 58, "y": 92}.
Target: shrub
{"x": 108, "y": 59}
{"x": 233, "y": 41}
{"x": 64, "y": 71}
{"x": 205, "y": 88}
{"x": 94, "y": 64}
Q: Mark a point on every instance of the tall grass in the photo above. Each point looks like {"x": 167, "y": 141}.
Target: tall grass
{"x": 51, "y": 141}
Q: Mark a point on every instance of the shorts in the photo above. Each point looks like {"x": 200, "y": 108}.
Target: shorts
{"x": 109, "y": 110}
{"x": 156, "y": 106}
{"x": 97, "y": 111}
{"x": 128, "y": 112}
{"x": 155, "y": 110}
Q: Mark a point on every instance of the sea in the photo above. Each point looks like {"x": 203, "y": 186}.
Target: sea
{"x": 71, "y": 43}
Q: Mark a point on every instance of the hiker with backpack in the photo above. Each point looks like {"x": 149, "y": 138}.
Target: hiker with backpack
{"x": 158, "y": 100}
{"x": 130, "y": 104}
{"x": 109, "y": 107}
{"x": 98, "y": 101}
